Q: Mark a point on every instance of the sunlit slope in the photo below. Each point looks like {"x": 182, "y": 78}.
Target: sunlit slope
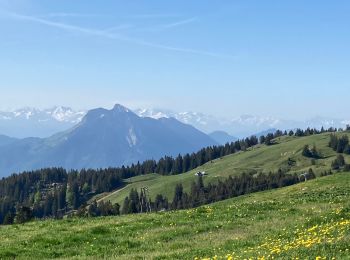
{"x": 261, "y": 158}
{"x": 307, "y": 220}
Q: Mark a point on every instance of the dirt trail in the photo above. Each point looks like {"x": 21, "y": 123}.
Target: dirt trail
{"x": 103, "y": 198}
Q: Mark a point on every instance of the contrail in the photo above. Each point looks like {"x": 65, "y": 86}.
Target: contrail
{"x": 115, "y": 36}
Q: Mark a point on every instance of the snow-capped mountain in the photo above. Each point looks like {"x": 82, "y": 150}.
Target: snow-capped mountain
{"x": 32, "y": 122}
{"x": 199, "y": 120}
{"x": 65, "y": 114}
{"x": 241, "y": 126}
{"x": 103, "y": 138}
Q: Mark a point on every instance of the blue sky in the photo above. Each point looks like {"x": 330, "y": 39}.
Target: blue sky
{"x": 289, "y": 59}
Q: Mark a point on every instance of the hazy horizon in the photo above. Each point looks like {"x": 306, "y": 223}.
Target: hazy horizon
{"x": 169, "y": 110}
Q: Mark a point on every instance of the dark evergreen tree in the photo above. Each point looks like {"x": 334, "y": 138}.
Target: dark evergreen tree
{"x": 9, "y": 218}
{"x": 306, "y": 151}
{"x": 268, "y": 139}
{"x": 311, "y": 153}
{"x": 177, "y": 201}
{"x": 333, "y": 142}
{"x": 341, "y": 160}
{"x": 126, "y": 206}
{"x": 342, "y": 143}
{"x": 160, "y": 203}
{"x": 23, "y": 214}
{"x": 347, "y": 149}
{"x": 262, "y": 139}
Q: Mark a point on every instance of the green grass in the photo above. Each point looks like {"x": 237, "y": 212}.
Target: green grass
{"x": 307, "y": 220}
{"x": 260, "y": 159}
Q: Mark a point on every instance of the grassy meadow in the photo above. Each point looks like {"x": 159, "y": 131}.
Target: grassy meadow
{"x": 310, "y": 220}
{"x": 260, "y": 158}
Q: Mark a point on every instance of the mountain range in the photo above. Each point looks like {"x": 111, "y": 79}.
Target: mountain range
{"x": 244, "y": 125}
{"x": 103, "y": 138}
{"x": 32, "y": 122}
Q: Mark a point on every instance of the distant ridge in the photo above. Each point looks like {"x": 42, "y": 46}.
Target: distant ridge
{"x": 33, "y": 122}
{"x": 104, "y": 138}
{"x": 244, "y": 125}
{"x": 222, "y": 137}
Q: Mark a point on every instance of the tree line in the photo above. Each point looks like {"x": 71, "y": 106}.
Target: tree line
{"x": 201, "y": 194}
{"x": 339, "y": 144}
{"x": 311, "y": 152}
{"x": 52, "y": 192}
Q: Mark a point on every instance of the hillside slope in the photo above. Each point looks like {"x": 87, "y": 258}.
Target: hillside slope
{"x": 260, "y": 158}
{"x": 307, "y": 220}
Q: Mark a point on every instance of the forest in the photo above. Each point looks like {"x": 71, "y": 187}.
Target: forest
{"x": 201, "y": 194}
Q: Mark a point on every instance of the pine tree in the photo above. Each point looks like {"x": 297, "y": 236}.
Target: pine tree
{"x": 92, "y": 210}
{"x": 126, "y": 206}
{"x": 315, "y": 154}
{"x": 8, "y": 219}
{"x": 134, "y": 205}
{"x": 335, "y": 165}
{"x": 262, "y": 139}
{"x": 347, "y": 149}
{"x": 342, "y": 143}
{"x": 333, "y": 142}
{"x": 311, "y": 174}
{"x": 177, "y": 201}
{"x": 341, "y": 160}
{"x": 306, "y": 151}
{"x": 23, "y": 214}
{"x": 268, "y": 139}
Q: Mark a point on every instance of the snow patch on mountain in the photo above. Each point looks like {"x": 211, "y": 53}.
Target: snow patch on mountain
{"x": 256, "y": 121}
{"x": 58, "y": 113}
{"x": 32, "y": 122}
{"x": 66, "y": 114}
{"x": 345, "y": 122}
{"x": 156, "y": 114}
{"x": 131, "y": 138}
{"x": 241, "y": 126}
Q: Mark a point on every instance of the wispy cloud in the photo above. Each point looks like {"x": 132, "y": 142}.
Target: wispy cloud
{"x": 63, "y": 26}
{"x": 179, "y": 23}
{"x": 118, "y": 27}
{"x": 135, "y": 16}
{"x": 53, "y": 15}
{"x": 163, "y": 27}
{"x": 114, "y": 36}
{"x": 152, "y": 16}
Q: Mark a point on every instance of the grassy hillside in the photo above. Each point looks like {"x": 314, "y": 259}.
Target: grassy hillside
{"x": 308, "y": 220}
{"x": 260, "y": 158}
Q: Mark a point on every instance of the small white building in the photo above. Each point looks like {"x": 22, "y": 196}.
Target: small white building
{"x": 201, "y": 173}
